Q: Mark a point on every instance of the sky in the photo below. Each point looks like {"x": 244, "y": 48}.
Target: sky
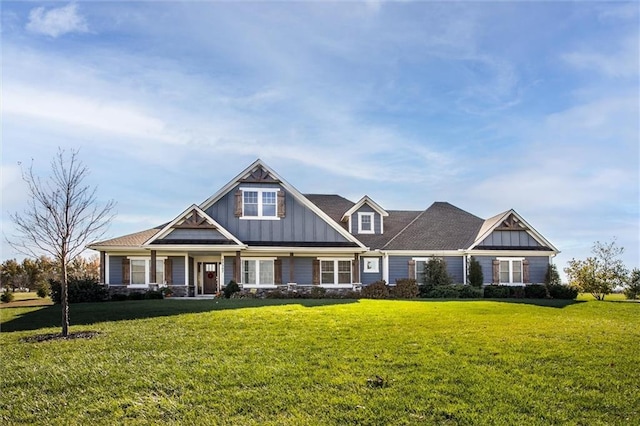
{"x": 487, "y": 105}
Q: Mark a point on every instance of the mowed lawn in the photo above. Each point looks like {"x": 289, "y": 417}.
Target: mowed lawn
{"x": 317, "y": 362}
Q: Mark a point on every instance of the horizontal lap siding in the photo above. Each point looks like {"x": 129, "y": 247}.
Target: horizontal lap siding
{"x": 177, "y": 268}
{"x": 228, "y": 270}
{"x": 370, "y": 277}
{"x": 303, "y": 270}
{"x": 115, "y": 269}
{"x": 399, "y": 267}
{"x": 537, "y": 267}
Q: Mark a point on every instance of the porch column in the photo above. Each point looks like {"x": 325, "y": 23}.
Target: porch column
{"x": 238, "y": 270}
{"x": 291, "y": 274}
{"x": 356, "y": 270}
{"x": 186, "y": 269}
{"x": 152, "y": 269}
{"x": 102, "y": 266}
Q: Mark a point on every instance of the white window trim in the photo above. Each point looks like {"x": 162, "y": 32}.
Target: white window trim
{"x": 260, "y": 191}
{"x": 375, "y": 268}
{"x": 147, "y": 270}
{"x": 258, "y": 259}
{"x": 335, "y": 261}
{"x": 511, "y": 260}
{"x": 364, "y": 231}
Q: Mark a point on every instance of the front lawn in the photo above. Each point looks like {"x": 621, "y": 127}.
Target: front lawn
{"x": 325, "y": 362}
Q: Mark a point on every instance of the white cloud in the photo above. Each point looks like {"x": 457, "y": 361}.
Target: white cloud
{"x": 96, "y": 114}
{"x": 56, "y": 22}
{"x": 617, "y": 61}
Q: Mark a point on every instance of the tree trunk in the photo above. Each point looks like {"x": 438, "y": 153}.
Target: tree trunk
{"x": 64, "y": 300}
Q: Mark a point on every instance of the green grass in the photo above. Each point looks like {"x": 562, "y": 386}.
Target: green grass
{"x": 308, "y": 362}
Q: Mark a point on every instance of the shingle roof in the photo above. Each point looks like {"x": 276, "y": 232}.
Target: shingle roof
{"x": 441, "y": 227}
{"x": 130, "y": 240}
{"x": 333, "y": 205}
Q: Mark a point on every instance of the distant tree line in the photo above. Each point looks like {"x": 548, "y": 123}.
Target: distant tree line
{"x": 35, "y": 274}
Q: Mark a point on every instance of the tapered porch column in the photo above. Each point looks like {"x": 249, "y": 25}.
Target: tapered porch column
{"x": 238, "y": 268}
{"x": 152, "y": 269}
{"x": 291, "y": 272}
{"x": 103, "y": 261}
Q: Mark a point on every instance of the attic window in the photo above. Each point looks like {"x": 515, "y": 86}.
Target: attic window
{"x": 365, "y": 223}
{"x": 260, "y": 203}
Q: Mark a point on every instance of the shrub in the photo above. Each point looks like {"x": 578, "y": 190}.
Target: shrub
{"x": 118, "y": 297}
{"x": 516, "y": 292}
{"x": 496, "y": 292}
{"x": 470, "y": 292}
{"x": 405, "y": 288}
{"x": 561, "y": 291}
{"x": 435, "y": 273}
{"x": 551, "y": 277}
{"x": 632, "y": 291}
{"x": 535, "y": 291}
{"x": 444, "y": 292}
{"x": 136, "y": 295}
{"x": 231, "y": 288}
{"x": 317, "y": 292}
{"x": 43, "y": 290}
{"x": 376, "y": 290}
{"x": 81, "y": 290}
{"x": 475, "y": 273}
{"x": 6, "y": 296}
{"x": 152, "y": 294}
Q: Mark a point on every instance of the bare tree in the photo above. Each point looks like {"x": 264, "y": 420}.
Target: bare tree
{"x": 61, "y": 218}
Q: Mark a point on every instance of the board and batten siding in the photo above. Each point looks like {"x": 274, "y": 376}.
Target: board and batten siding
{"x": 115, "y": 269}
{"x": 195, "y": 234}
{"x": 537, "y": 267}
{"x": 509, "y": 239}
{"x": 300, "y": 224}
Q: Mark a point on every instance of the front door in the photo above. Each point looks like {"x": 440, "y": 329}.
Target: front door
{"x": 210, "y": 279}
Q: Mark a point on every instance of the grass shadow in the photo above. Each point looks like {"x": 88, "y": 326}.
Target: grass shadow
{"x": 92, "y": 313}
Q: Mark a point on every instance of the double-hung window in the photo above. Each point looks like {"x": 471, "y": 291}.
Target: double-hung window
{"x": 260, "y": 203}
{"x": 140, "y": 269}
{"x": 510, "y": 270}
{"x": 257, "y": 272}
{"x": 365, "y": 223}
{"x": 335, "y": 272}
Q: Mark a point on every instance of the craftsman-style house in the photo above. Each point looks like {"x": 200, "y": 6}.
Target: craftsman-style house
{"x": 263, "y": 233}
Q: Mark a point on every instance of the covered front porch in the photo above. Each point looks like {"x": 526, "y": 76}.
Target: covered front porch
{"x": 201, "y": 273}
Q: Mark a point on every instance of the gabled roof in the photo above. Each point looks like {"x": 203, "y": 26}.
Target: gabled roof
{"x": 496, "y": 221}
{"x": 191, "y": 215}
{"x": 364, "y": 200}
{"x": 258, "y": 167}
{"x": 129, "y": 240}
{"x": 440, "y": 227}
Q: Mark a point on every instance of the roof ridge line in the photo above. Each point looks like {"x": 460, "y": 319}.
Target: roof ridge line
{"x": 405, "y": 228}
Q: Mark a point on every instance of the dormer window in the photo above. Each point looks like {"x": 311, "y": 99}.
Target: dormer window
{"x": 365, "y": 223}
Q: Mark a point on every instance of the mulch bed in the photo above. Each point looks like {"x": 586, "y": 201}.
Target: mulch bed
{"x": 59, "y": 336}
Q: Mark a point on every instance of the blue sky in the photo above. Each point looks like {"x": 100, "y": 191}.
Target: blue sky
{"x": 488, "y": 105}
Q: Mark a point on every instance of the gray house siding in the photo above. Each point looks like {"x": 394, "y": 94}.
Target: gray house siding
{"x": 177, "y": 269}
{"x": 377, "y": 224}
{"x": 399, "y": 268}
{"x": 367, "y": 278}
{"x": 300, "y": 224}
{"x": 509, "y": 239}
{"x": 115, "y": 269}
{"x": 537, "y": 267}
